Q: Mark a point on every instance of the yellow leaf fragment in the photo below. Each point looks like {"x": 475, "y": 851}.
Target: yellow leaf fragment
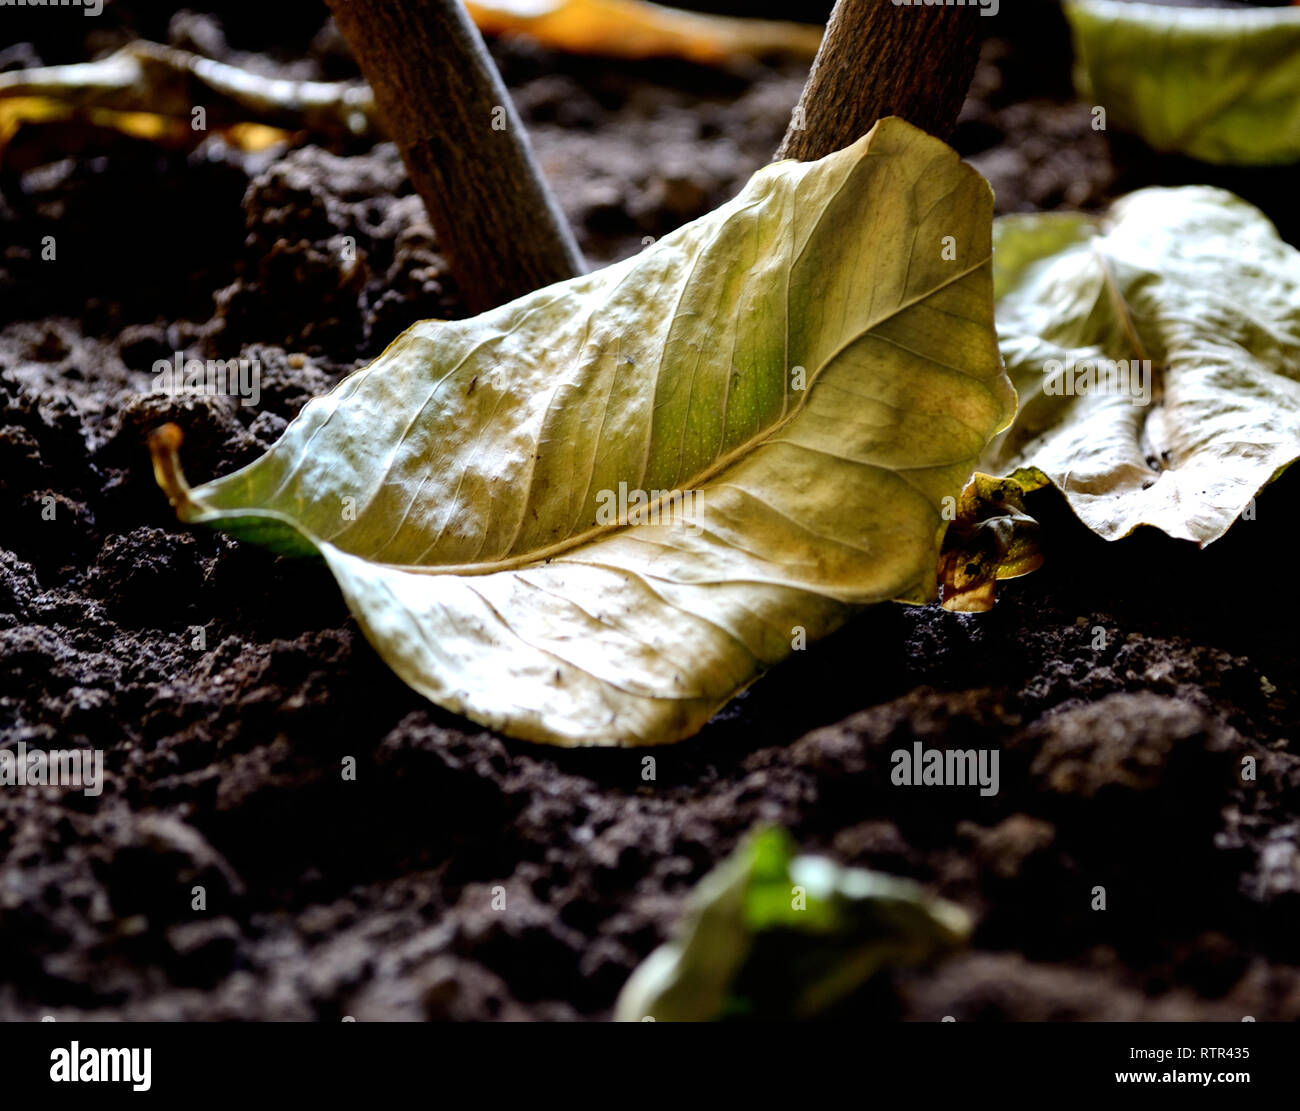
{"x": 991, "y": 538}
{"x": 636, "y": 29}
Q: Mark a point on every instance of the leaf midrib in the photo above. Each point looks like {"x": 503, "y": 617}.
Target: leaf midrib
{"x": 569, "y": 543}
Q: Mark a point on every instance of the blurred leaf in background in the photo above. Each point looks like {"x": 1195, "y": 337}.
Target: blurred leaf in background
{"x": 1216, "y": 84}
{"x": 149, "y": 90}
{"x": 637, "y": 29}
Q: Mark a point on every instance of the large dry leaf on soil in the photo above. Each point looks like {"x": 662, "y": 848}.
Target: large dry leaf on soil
{"x": 637, "y": 29}
{"x": 1220, "y": 85}
{"x": 1196, "y": 281}
{"x": 459, "y": 486}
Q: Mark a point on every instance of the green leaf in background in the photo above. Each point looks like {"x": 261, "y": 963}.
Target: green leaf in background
{"x": 1156, "y": 353}
{"x": 1219, "y": 85}
{"x": 771, "y": 935}
{"x": 592, "y": 515}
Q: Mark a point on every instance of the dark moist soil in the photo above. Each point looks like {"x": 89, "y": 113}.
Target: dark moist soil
{"x": 1123, "y": 683}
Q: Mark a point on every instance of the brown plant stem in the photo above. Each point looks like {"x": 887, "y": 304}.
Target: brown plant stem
{"x": 463, "y": 144}
{"x": 877, "y": 60}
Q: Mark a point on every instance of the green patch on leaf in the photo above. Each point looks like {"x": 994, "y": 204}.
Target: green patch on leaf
{"x": 592, "y": 515}
{"x": 773, "y": 935}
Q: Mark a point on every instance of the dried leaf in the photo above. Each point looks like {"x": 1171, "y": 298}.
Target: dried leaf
{"x": 1156, "y": 354}
{"x": 150, "y": 91}
{"x": 592, "y": 515}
